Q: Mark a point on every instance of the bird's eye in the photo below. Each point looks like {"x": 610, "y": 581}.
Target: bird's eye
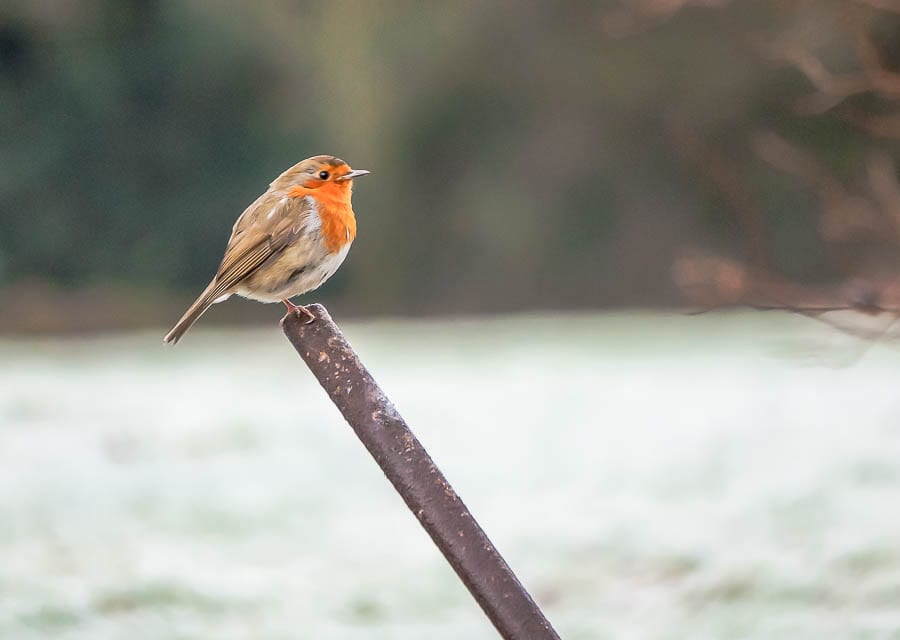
{"x": 323, "y": 175}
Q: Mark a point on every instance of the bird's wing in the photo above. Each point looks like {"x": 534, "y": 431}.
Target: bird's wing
{"x": 266, "y": 227}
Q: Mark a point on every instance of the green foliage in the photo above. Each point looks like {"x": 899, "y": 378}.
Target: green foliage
{"x": 510, "y": 146}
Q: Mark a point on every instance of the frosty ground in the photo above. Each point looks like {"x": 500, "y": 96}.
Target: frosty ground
{"x": 647, "y": 476}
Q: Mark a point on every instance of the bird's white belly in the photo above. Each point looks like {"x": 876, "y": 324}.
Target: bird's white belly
{"x": 298, "y": 271}
{"x": 324, "y": 269}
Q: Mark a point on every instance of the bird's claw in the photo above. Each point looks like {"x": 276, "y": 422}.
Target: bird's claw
{"x": 303, "y": 311}
{"x": 299, "y": 311}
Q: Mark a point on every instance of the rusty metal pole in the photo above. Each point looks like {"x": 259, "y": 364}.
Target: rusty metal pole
{"x": 416, "y": 478}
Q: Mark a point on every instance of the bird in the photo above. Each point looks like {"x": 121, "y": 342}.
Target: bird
{"x": 289, "y": 241}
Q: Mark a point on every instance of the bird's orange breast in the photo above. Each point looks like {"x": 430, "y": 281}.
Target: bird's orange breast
{"x": 335, "y": 213}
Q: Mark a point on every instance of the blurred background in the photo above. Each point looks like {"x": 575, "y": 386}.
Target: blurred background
{"x": 549, "y": 181}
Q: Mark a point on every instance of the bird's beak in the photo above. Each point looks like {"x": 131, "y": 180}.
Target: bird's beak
{"x": 355, "y": 173}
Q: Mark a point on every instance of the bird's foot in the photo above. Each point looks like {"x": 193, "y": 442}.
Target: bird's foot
{"x": 299, "y": 311}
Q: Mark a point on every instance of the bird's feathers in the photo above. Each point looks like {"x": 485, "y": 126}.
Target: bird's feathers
{"x": 264, "y": 229}
{"x": 289, "y": 241}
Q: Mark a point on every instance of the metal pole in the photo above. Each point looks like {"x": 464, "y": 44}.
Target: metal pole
{"x": 416, "y": 478}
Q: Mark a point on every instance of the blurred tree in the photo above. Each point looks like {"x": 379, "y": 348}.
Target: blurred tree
{"x": 523, "y": 155}
{"x": 830, "y": 216}
{"x": 117, "y": 122}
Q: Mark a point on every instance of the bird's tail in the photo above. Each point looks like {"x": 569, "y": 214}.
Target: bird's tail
{"x": 191, "y": 316}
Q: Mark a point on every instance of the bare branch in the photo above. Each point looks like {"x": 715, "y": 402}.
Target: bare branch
{"x": 635, "y": 16}
{"x": 885, "y": 187}
{"x": 886, "y": 127}
{"x": 882, "y": 80}
{"x": 712, "y": 282}
{"x": 891, "y": 6}
{"x": 831, "y": 89}
{"x": 843, "y": 212}
{"x": 730, "y": 183}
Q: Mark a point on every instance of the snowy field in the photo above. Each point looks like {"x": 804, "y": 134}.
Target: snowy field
{"x": 670, "y": 477}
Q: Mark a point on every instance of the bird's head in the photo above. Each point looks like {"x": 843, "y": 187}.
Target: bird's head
{"x": 323, "y": 174}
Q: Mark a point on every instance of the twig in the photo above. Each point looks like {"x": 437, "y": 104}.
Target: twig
{"x": 891, "y": 6}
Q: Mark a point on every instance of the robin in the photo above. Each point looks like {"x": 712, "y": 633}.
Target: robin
{"x": 288, "y": 242}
